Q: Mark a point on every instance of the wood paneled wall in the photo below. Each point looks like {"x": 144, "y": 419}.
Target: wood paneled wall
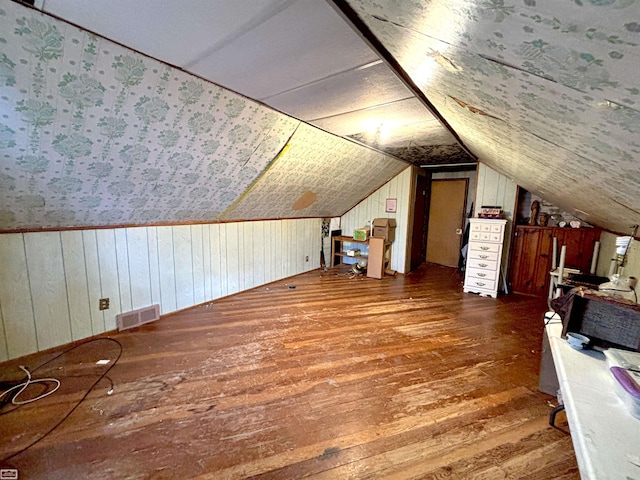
{"x": 51, "y": 281}
{"x": 493, "y": 188}
{"x": 374, "y": 205}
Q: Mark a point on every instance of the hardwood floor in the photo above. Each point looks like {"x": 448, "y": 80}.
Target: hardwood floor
{"x": 337, "y": 378}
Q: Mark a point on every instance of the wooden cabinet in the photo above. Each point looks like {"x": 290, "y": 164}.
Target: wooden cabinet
{"x": 484, "y": 256}
{"x": 531, "y": 260}
{"x": 533, "y": 250}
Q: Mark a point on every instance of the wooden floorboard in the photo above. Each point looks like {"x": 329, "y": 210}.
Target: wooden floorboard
{"x": 320, "y": 376}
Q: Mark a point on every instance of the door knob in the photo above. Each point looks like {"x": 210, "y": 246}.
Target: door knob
{"x": 458, "y": 231}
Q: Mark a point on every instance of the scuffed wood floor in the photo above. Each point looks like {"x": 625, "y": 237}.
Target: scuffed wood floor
{"x": 337, "y": 378}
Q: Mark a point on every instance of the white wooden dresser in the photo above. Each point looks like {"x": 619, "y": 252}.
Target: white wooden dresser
{"x": 484, "y": 256}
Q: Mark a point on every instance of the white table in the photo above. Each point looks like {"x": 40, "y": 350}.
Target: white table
{"x": 606, "y": 437}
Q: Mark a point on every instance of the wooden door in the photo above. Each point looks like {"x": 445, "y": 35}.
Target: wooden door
{"x": 446, "y": 221}
{"x": 531, "y": 260}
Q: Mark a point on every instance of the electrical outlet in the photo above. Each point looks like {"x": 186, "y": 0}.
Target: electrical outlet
{"x": 306, "y": 259}
{"x": 104, "y": 304}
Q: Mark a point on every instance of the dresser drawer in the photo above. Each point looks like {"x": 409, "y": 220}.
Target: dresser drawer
{"x": 483, "y": 264}
{"x": 497, "y": 228}
{"x": 487, "y": 227}
{"x": 484, "y": 247}
{"x": 482, "y": 274}
{"x": 482, "y": 255}
{"x": 473, "y": 283}
{"x": 486, "y": 236}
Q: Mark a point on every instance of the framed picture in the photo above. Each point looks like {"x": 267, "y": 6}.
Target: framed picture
{"x": 391, "y": 205}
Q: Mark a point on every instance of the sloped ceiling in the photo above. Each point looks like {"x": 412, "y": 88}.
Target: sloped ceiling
{"x": 297, "y": 56}
{"x": 545, "y": 92}
{"x": 95, "y": 134}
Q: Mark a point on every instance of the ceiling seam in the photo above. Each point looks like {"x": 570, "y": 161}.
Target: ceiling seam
{"x": 351, "y": 17}
{"x": 393, "y": 102}
{"x": 319, "y": 80}
{"x": 253, "y": 22}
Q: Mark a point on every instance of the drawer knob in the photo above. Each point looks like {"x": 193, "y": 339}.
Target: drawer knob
{"x": 482, "y": 274}
{"x": 480, "y": 284}
{"x": 483, "y": 265}
{"x": 484, "y": 248}
{"x": 483, "y": 256}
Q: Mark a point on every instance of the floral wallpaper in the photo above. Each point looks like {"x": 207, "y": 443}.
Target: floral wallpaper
{"x": 311, "y": 154}
{"x": 545, "y": 92}
{"x": 94, "y": 134}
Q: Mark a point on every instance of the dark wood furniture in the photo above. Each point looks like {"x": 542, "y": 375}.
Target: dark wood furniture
{"x": 532, "y": 253}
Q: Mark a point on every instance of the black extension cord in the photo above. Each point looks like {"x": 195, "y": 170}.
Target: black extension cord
{"x": 100, "y": 378}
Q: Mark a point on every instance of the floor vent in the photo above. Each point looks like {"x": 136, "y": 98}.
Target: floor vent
{"x": 138, "y": 317}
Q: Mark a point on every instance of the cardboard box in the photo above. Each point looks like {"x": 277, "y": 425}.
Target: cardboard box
{"x": 361, "y": 234}
{"x": 376, "y": 263}
{"x": 385, "y": 227}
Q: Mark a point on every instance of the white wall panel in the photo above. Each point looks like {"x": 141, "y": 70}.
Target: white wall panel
{"x": 15, "y": 297}
{"x": 222, "y": 258}
{"x": 206, "y": 260}
{"x": 308, "y": 257}
{"x": 48, "y": 289}
{"x": 278, "y": 249}
{"x": 139, "y": 272}
{"x": 122, "y": 266}
{"x": 198, "y": 264}
{"x": 495, "y": 189}
{"x": 246, "y": 256}
{"x": 374, "y": 206}
{"x": 232, "y": 257}
{"x": 183, "y": 260}
{"x": 52, "y": 281}
{"x": 269, "y": 251}
{"x": 77, "y": 287}
{"x": 258, "y": 255}
{"x": 167, "y": 270}
{"x": 218, "y": 281}
{"x": 288, "y": 256}
{"x": 4, "y": 351}
{"x": 154, "y": 266}
{"x": 108, "y": 262}
{"x": 403, "y": 194}
{"x": 92, "y": 265}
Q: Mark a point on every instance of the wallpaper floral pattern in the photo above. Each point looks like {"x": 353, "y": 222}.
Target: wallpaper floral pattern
{"x": 94, "y": 134}
{"x": 277, "y": 191}
{"x": 545, "y": 92}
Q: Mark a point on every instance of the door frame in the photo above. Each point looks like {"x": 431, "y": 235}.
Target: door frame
{"x": 420, "y": 218}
